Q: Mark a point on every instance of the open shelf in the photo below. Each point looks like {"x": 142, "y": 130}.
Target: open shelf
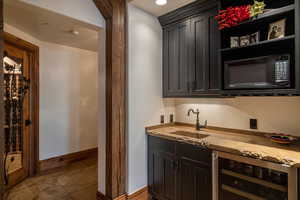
{"x": 241, "y": 193}
{"x": 255, "y": 180}
{"x": 275, "y": 11}
{"x": 268, "y": 14}
{"x": 258, "y": 44}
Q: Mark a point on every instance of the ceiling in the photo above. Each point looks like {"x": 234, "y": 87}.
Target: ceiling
{"x": 49, "y": 26}
{"x": 151, "y": 7}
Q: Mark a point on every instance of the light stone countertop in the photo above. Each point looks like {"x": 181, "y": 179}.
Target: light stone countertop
{"x": 254, "y": 146}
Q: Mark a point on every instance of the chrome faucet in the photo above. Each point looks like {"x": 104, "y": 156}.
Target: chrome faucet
{"x": 197, "y": 112}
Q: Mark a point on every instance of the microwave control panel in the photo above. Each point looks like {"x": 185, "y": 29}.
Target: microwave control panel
{"x": 282, "y": 70}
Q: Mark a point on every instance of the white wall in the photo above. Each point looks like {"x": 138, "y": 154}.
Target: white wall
{"x": 145, "y": 104}
{"x": 274, "y": 114}
{"x": 82, "y": 10}
{"x": 68, "y": 97}
{"x": 86, "y": 11}
{"x": 102, "y": 114}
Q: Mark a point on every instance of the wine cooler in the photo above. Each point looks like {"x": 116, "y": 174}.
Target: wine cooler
{"x": 240, "y": 178}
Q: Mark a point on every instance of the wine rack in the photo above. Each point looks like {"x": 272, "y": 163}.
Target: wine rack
{"x": 237, "y": 177}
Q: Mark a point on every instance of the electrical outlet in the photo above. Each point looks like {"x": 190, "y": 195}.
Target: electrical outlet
{"x": 253, "y": 123}
{"x": 162, "y": 119}
{"x": 171, "y": 118}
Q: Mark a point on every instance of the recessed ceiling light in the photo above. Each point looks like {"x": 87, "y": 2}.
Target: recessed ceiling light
{"x": 161, "y": 2}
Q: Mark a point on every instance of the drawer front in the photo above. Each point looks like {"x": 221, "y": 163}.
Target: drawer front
{"x": 194, "y": 153}
{"x": 157, "y": 144}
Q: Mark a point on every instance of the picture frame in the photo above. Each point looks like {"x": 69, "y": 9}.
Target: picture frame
{"x": 255, "y": 38}
{"x": 245, "y": 40}
{"x": 277, "y": 29}
{"x": 234, "y": 42}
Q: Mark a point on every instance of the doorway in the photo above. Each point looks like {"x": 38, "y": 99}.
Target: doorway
{"x": 20, "y": 66}
{"x": 68, "y": 122}
{"x": 114, "y": 147}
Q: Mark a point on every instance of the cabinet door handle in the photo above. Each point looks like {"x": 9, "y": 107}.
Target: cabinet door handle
{"x": 178, "y": 165}
{"x": 175, "y": 165}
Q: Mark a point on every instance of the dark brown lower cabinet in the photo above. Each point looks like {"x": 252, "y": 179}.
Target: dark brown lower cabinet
{"x": 164, "y": 175}
{"x": 178, "y": 171}
{"x": 194, "y": 181}
{"x": 162, "y": 168}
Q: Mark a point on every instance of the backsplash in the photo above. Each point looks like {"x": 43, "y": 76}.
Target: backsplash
{"x": 274, "y": 114}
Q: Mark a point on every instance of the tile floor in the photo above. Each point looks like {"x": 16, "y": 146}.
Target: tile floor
{"x": 78, "y": 181}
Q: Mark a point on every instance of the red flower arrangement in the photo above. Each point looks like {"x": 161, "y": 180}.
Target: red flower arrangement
{"x": 232, "y": 16}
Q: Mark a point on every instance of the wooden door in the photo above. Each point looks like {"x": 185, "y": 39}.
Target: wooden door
{"x": 176, "y": 59}
{"x": 17, "y": 133}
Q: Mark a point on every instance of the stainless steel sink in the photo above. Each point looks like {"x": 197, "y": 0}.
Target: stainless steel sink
{"x": 190, "y": 134}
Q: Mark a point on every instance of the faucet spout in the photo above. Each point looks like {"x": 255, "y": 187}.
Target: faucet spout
{"x": 197, "y": 112}
{"x": 189, "y": 111}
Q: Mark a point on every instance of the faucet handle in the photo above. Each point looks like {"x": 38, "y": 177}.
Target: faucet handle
{"x": 205, "y": 125}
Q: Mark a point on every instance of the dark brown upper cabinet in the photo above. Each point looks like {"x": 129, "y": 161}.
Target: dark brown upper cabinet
{"x": 205, "y": 71}
{"x": 197, "y": 55}
{"x": 176, "y": 58}
{"x": 191, "y": 44}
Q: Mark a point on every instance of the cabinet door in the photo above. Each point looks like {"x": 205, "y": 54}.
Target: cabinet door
{"x": 215, "y": 73}
{"x": 175, "y": 59}
{"x": 163, "y": 176}
{"x": 205, "y": 73}
{"x": 194, "y": 172}
{"x": 200, "y": 54}
{"x": 194, "y": 180}
{"x": 162, "y": 168}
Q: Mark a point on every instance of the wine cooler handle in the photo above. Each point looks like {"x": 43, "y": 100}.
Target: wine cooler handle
{"x": 215, "y": 175}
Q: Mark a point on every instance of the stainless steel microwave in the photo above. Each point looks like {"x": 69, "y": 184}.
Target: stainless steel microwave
{"x": 265, "y": 72}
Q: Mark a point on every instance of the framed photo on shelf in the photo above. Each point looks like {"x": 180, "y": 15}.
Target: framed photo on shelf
{"x": 245, "y": 40}
{"x": 254, "y": 38}
{"x": 234, "y": 42}
{"x": 277, "y": 29}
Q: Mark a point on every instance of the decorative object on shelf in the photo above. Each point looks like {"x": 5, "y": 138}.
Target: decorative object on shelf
{"x": 282, "y": 139}
{"x": 232, "y": 16}
{"x": 234, "y": 42}
{"x": 277, "y": 29}
{"x": 257, "y": 8}
{"x": 245, "y": 40}
{"x": 254, "y": 38}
